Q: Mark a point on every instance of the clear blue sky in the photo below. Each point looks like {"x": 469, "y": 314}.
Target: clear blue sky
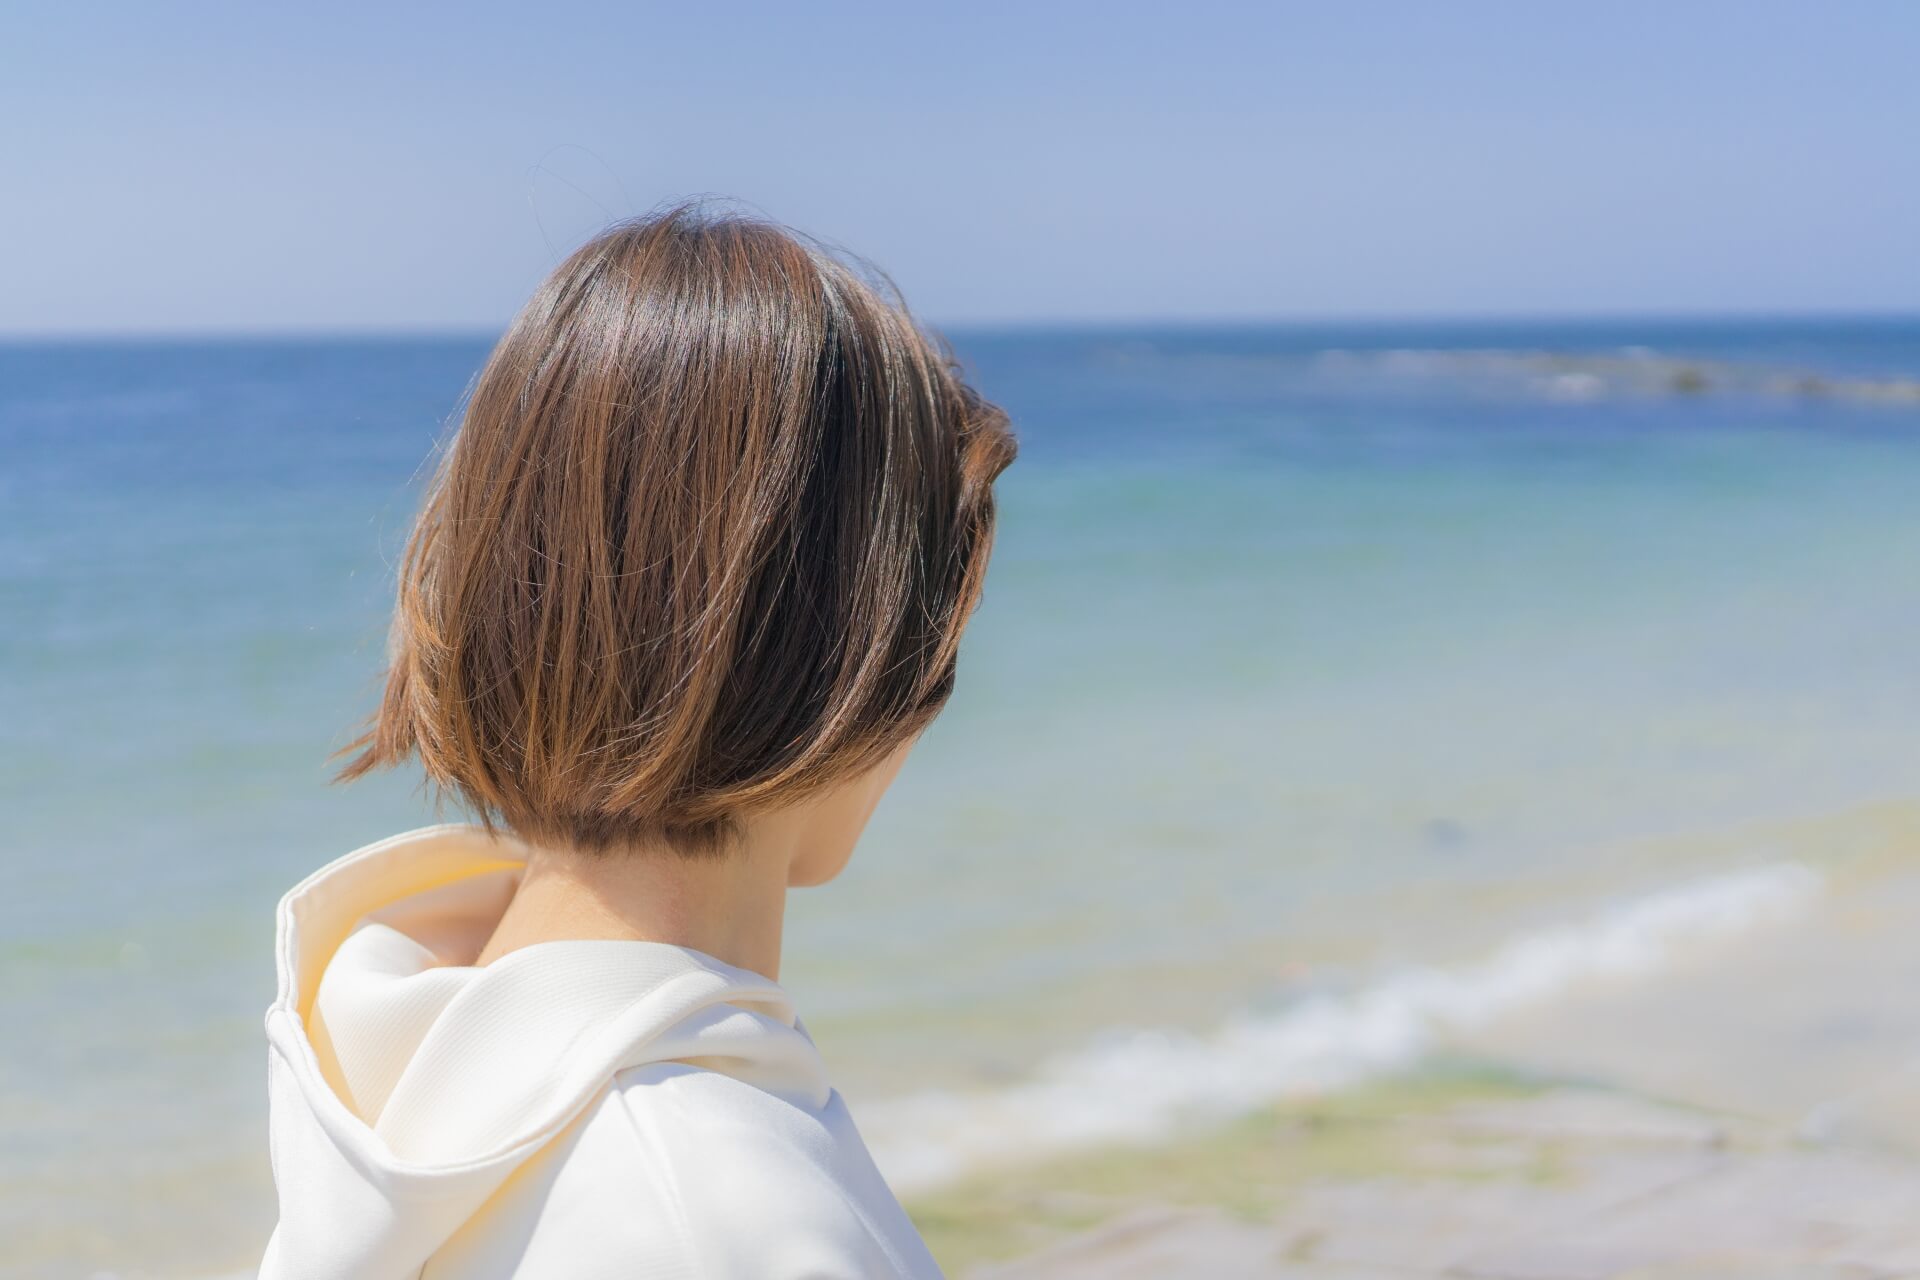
{"x": 214, "y": 167}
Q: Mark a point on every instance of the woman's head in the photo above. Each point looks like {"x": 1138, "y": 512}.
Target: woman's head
{"x": 703, "y": 546}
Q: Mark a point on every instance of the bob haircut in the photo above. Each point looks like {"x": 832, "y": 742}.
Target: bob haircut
{"x": 704, "y": 543}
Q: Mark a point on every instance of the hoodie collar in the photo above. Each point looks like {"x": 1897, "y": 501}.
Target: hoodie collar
{"x": 425, "y": 1064}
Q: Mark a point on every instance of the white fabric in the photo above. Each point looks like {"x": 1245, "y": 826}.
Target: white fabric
{"x": 575, "y": 1109}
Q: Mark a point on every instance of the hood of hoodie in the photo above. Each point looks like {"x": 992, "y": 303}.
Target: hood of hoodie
{"x": 407, "y": 1085}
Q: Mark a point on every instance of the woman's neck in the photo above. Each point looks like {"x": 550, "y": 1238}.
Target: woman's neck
{"x": 730, "y": 906}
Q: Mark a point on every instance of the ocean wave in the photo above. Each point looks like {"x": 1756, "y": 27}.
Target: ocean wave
{"x": 1143, "y": 1085}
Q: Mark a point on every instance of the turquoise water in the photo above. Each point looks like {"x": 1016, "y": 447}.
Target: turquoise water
{"x": 1306, "y": 654}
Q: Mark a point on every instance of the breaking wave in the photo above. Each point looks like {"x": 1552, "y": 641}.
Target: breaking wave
{"x": 1143, "y": 1085}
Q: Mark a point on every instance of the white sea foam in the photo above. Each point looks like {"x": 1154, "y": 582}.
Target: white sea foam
{"x": 1144, "y": 1084}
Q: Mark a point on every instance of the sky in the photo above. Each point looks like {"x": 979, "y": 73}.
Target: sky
{"x": 194, "y": 167}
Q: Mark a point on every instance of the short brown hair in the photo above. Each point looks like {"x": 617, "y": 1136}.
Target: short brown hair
{"x": 705, "y": 540}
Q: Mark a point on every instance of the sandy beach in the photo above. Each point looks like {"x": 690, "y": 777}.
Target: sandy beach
{"x": 1752, "y": 1112}
{"x": 1457, "y": 1176}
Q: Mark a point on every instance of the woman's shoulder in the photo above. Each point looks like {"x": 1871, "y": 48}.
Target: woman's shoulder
{"x": 764, "y": 1181}
{"x": 682, "y": 1173}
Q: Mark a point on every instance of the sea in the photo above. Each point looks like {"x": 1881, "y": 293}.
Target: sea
{"x": 1338, "y": 692}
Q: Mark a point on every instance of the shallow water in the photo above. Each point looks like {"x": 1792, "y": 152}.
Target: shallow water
{"x": 1309, "y": 657}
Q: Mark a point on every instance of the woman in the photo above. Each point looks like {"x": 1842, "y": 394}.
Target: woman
{"x": 688, "y": 584}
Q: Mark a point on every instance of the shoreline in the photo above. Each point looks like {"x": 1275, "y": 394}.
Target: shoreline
{"x": 1750, "y": 1113}
{"x": 1157, "y": 1084}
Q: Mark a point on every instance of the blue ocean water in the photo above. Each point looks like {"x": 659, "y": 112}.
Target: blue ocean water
{"x": 1303, "y": 647}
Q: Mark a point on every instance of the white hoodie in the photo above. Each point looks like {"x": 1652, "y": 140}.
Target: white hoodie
{"x": 574, "y": 1109}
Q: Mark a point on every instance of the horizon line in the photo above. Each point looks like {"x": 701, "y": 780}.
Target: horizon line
{"x": 1035, "y": 325}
